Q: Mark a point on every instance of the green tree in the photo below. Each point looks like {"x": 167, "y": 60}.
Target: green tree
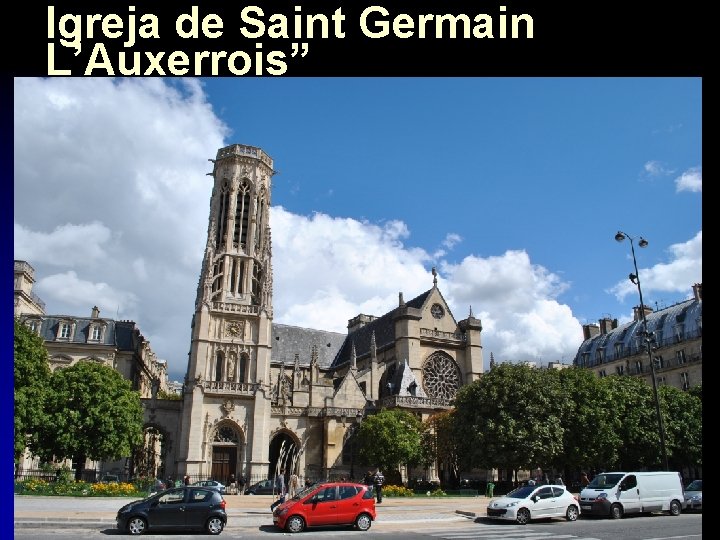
{"x": 510, "y": 418}
{"x": 91, "y": 413}
{"x": 635, "y": 423}
{"x": 390, "y": 438}
{"x": 438, "y": 443}
{"x": 682, "y": 417}
{"x": 32, "y": 374}
{"x": 589, "y": 438}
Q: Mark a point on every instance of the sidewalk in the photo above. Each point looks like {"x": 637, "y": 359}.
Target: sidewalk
{"x": 243, "y": 510}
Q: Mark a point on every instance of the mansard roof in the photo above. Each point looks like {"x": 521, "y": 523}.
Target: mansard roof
{"x": 287, "y": 341}
{"x": 682, "y": 320}
{"x": 118, "y": 334}
{"x": 384, "y": 329}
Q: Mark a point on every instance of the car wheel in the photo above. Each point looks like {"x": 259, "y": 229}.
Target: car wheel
{"x": 136, "y": 525}
{"x": 363, "y": 522}
{"x": 523, "y": 516}
{"x": 616, "y": 511}
{"x": 675, "y": 508}
{"x": 571, "y": 514}
{"x": 214, "y": 525}
{"x": 295, "y": 524}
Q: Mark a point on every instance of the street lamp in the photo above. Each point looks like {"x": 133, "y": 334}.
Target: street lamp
{"x": 647, "y": 337}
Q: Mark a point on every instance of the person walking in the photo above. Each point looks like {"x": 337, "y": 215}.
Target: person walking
{"x": 280, "y": 489}
{"x": 378, "y": 481}
{"x": 293, "y": 485}
{"x": 187, "y": 480}
{"x": 584, "y": 480}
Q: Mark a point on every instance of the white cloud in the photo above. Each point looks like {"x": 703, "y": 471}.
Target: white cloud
{"x": 69, "y": 290}
{"x": 683, "y": 268}
{"x": 655, "y": 168}
{"x": 517, "y": 304}
{"x": 690, "y": 180}
{"x": 66, "y": 245}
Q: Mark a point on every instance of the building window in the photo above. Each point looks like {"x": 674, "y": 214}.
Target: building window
{"x": 64, "y": 332}
{"x": 95, "y": 333}
{"x": 685, "y": 380}
{"x": 585, "y": 359}
{"x": 619, "y": 348}
{"x": 599, "y": 356}
{"x": 680, "y": 355}
{"x": 33, "y": 325}
{"x": 638, "y": 367}
{"x": 679, "y": 332}
{"x": 661, "y": 381}
{"x": 620, "y": 370}
{"x": 602, "y": 373}
{"x": 659, "y": 362}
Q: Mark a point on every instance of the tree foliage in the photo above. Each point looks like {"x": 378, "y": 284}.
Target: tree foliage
{"x": 438, "y": 443}
{"x": 91, "y": 413}
{"x": 683, "y": 427}
{"x": 31, "y": 376}
{"x": 519, "y": 417}
{"x": 390, "y": 438}
{"x": 510, "y": 418}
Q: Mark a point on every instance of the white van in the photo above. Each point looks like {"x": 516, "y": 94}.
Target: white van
{"x": 615, "y": 494}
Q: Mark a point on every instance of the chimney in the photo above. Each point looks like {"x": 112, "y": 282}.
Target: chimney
{"x": 638, "y": 312}
{"x": 697, "y": 292}
{"x": 590, "y": 331}
{"x": 95, "y": 312}
{"x": 605, "y": 325}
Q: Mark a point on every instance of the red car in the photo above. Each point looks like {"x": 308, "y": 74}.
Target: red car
{"x": 329, "y": 503}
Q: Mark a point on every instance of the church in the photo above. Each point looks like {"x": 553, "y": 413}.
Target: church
{"x": 259, "y": 396}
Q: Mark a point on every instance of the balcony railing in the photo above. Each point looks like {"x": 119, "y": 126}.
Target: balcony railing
{"x": 229, "y": 307}
{"x": 452, "y": 336}
{"x": 415, "y": 402}
{"x": 230, "y": 387}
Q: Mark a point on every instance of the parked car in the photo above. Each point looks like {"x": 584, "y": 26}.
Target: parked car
{"x": 693, "y": 495}
{"x": 328, "y": 503}
{"x": 534, "y": 502}
{"x": 212, "y": 484}
{"x": 263, "y": 487}
{"x": 615, "y": 494}
{"x": 110, "y": 478}
{"x": 178, "y": 509}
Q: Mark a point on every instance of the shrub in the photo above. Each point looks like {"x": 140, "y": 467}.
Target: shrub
{"x": 397, "y": 491}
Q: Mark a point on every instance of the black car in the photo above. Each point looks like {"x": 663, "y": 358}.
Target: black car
{"x": 263, "y": 487}
{"x": 178, "y": 509}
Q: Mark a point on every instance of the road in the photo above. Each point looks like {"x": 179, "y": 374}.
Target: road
{"x": 40, "y": 518}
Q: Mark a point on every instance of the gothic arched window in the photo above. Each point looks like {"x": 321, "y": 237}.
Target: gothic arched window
{"x": 218, "y": 366}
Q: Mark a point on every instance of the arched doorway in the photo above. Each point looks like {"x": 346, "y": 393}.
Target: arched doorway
{"x": 284, "y": 454}
{"x": 226, "y": 445}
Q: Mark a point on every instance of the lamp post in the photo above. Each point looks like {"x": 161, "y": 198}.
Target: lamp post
{"x": 647, "y": 337}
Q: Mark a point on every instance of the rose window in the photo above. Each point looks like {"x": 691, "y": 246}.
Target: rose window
{"x": 441, "y": 377}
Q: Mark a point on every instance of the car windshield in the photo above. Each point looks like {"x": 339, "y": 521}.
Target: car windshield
{"x": 605, "y": 481}
{"x": 695, "y": 485}
{"x": 521, "y": 492}
{"x": 303, "y": 493}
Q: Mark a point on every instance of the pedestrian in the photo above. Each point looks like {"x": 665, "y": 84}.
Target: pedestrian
{"x": 187, "y": 480}
{"x": 293, "y": 485}
{"x": 546, "y": 479}
{"x": 241, "y": 484}
{"x": 378, "y": 481}
{"x": 368, "y": 478}
{"x": 531, "y": 482}
{"x": 584, "y": 480}
{"x": 280, "y": 489}
{"x": 559, "y": 481}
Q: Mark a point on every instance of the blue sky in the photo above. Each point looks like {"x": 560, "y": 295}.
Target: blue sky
{"x": 513, "y": 188}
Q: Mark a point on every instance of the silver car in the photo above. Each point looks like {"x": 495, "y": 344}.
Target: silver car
{"x": 534, "y": 502}
{"x": 693, "y": 495}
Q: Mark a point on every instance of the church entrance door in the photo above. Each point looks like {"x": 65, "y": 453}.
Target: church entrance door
{"x": 224, "y": 463}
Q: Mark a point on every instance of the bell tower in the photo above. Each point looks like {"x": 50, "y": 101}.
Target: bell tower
{"x": 229, "y": 359}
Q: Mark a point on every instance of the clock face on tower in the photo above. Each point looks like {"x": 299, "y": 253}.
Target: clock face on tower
{"x": 233, "y": 329}
{"x": 437, "y": 311}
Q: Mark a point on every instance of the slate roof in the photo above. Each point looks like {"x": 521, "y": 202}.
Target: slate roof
{"x": 384, "y": 329}
{"x": 287, "y": 341}
{"x": 662, "y": 322}
{"x": 118, "y": 334}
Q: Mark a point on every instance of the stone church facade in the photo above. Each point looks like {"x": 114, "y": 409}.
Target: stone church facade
{"x": 260, "y": 395}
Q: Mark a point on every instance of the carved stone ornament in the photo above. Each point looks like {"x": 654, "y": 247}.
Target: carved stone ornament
{"x": 228, "y": 407}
